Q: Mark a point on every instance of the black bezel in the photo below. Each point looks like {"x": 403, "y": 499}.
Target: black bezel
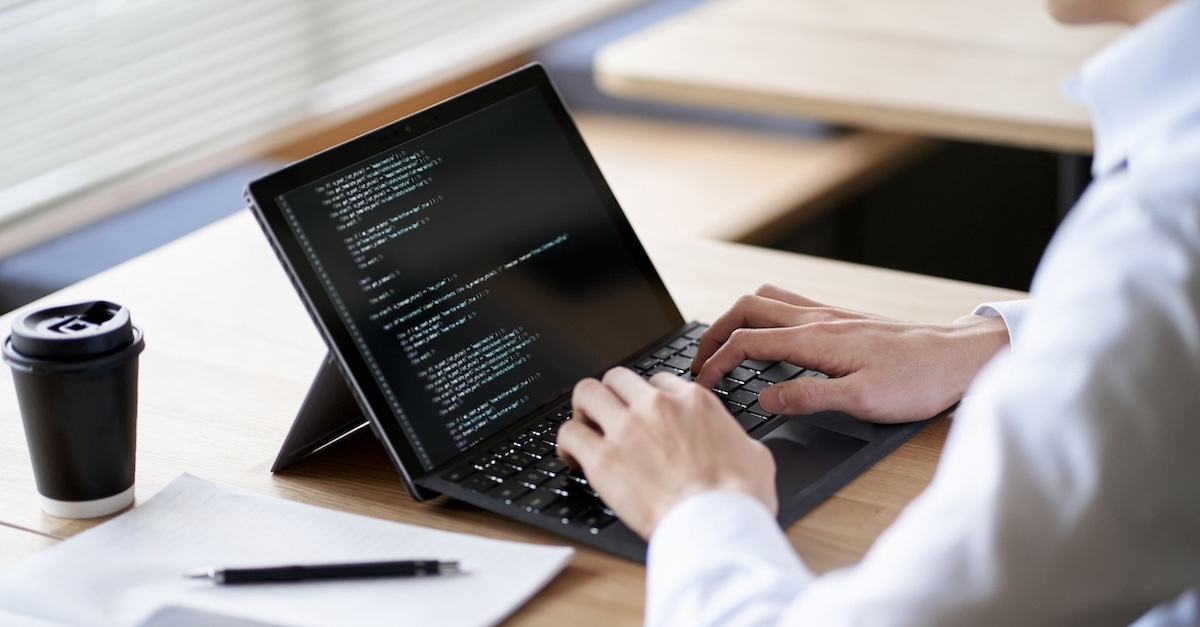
{"x": 262, "y": 195}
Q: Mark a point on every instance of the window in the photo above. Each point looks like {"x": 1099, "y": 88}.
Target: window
{"x": 94, "y": 92}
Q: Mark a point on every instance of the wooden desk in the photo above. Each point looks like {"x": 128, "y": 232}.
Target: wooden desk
{"x": 737, "y": 185}
{"x": 977, "y": 70}
{"x": 230, "y": 352}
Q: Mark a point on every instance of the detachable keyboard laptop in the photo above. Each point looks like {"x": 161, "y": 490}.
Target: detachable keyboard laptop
{"x": 466, "y": 266}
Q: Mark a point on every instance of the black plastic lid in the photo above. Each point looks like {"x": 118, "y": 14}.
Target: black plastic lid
{"x": 80, "y": 330}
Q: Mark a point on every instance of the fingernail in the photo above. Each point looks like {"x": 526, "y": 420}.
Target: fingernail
{"x": 771, "y": 400}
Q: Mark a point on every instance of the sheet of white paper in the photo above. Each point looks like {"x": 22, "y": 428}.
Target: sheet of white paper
{"x": 129, "y": 570}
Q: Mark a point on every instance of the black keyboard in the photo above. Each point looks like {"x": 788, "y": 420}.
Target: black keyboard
{"x": 525, "y": 470}
{"x": 739, "y": 388}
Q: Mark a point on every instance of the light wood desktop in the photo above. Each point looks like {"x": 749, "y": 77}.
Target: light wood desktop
{"x": 977, "y": 70}
{"x": 737, "y": 185}
{"x": 230, "y": 352}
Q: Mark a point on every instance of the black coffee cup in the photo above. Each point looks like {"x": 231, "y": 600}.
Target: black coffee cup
{"x": 75, "y": 369}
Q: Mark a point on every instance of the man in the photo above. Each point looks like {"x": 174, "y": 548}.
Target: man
{"x": 1069, "y": 488}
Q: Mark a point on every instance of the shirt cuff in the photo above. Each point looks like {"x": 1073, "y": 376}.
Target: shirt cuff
{"x": 1011, "y": 311}
{"x": 720, "y": 557}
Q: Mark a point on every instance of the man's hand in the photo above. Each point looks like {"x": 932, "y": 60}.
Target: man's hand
{"x": 881, "y": 370}
{"x": 646, "y": 446}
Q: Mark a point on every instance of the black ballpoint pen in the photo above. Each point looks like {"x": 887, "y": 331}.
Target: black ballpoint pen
{"x": 275, "y": 574}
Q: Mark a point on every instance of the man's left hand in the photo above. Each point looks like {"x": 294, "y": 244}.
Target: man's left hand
{"x": 647, "y": 446}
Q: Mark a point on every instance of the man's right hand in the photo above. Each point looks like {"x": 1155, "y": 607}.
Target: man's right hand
{"x": 880, "y": 370}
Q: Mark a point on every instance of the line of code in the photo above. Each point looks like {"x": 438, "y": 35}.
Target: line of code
{"x": 478, "y": 268}
{"x": 376, "y": 207}
{"x": 459, "y": 382}
{"x": 352, "y": 197}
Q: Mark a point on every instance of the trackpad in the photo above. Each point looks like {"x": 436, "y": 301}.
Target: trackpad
{"x": 804, "y": 453}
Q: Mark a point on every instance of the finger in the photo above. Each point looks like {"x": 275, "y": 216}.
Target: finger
{"x": 808, "y": 395}
{"x": 795, "y": 345}
{"x": 668, "y": 382}
{"x": 750, "y": 311}
{"x": 579, "y": 443}
{"x": 596, "y": 402}
{"x": 627, "y": 385}
{"x": 784, "y": 296}
{"x": 768, "y": 307}
{"x": 816, "y": 311}
{"x": 805, "y": 395}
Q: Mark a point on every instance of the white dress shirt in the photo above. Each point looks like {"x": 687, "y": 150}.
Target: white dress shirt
{"x": 1068, "y": 492}
{"x": 1011, "y": 311}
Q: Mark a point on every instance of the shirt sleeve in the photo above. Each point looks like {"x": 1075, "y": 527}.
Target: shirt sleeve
{"x": 734, "y": 568}
{"x": 1011, "y": 311}
{"x": 1065, "y": 496}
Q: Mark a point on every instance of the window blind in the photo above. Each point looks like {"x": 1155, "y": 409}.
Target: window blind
{"x": 95, "y": 91}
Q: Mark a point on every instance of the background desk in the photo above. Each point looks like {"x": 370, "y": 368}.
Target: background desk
{"x": 977, "y": 70}
{"x": 230, "y": 353}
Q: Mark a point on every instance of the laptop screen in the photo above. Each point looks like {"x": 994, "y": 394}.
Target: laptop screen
{"x": 479, "y": 269}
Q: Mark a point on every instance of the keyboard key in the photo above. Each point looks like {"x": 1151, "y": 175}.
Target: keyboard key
{"x": 559, "y": 484}
{"x": 532, "y": 477}
{"x": 538, "y": 500}
{"x": 664, "y": 353}
{"x": 499, "y": 471}
{"x": 508, "y": 492}
{"x": 595, "y": 519}
{"x": 552, "y": 464}
{"x": 679, "y": 363}
{"x": 680, "y": 343}
{"x": 578, "y": 477}
{"x": 478, "y": 482}
{"x": 727, "y": 385}
{"x": 538, "y": 447}
{"x": 541, "y": 425}
{"x": 781, "y": 371}
{"x": 695, "y": 333}
{"x": 657, "y": 369}
{"x": 757, "y": 409}
{"x": 562, "y": 510}
{"x": 520, "y": 459}
{"x": 522, "y": 437}
{"x": 756, "y": 385}
{"x": 733, "y": 408}
{"x": 485, "y": 460}
{"x": 579, "y": 498}
{"x": 742, "y": 374}
{"x": 690, "y": 351}
{"x": 743, "y": 397}
{"x": 646, "y": 363}
{"x": 458, "y": 474}
{"x": 756, "y": 364}
{"x": 749, "y": 420}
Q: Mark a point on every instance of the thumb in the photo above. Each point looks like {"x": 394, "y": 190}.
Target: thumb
{"x": 805, "y": 395}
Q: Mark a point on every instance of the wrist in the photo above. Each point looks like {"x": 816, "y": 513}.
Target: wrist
{"x": 975, "y": 339}
{"x": 983, "y": 336}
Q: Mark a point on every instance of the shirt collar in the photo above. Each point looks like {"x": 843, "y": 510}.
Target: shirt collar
{"x": 1141, "y": 87}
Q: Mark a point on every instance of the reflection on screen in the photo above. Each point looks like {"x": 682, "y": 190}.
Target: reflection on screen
{"x": 478, "y": 271}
